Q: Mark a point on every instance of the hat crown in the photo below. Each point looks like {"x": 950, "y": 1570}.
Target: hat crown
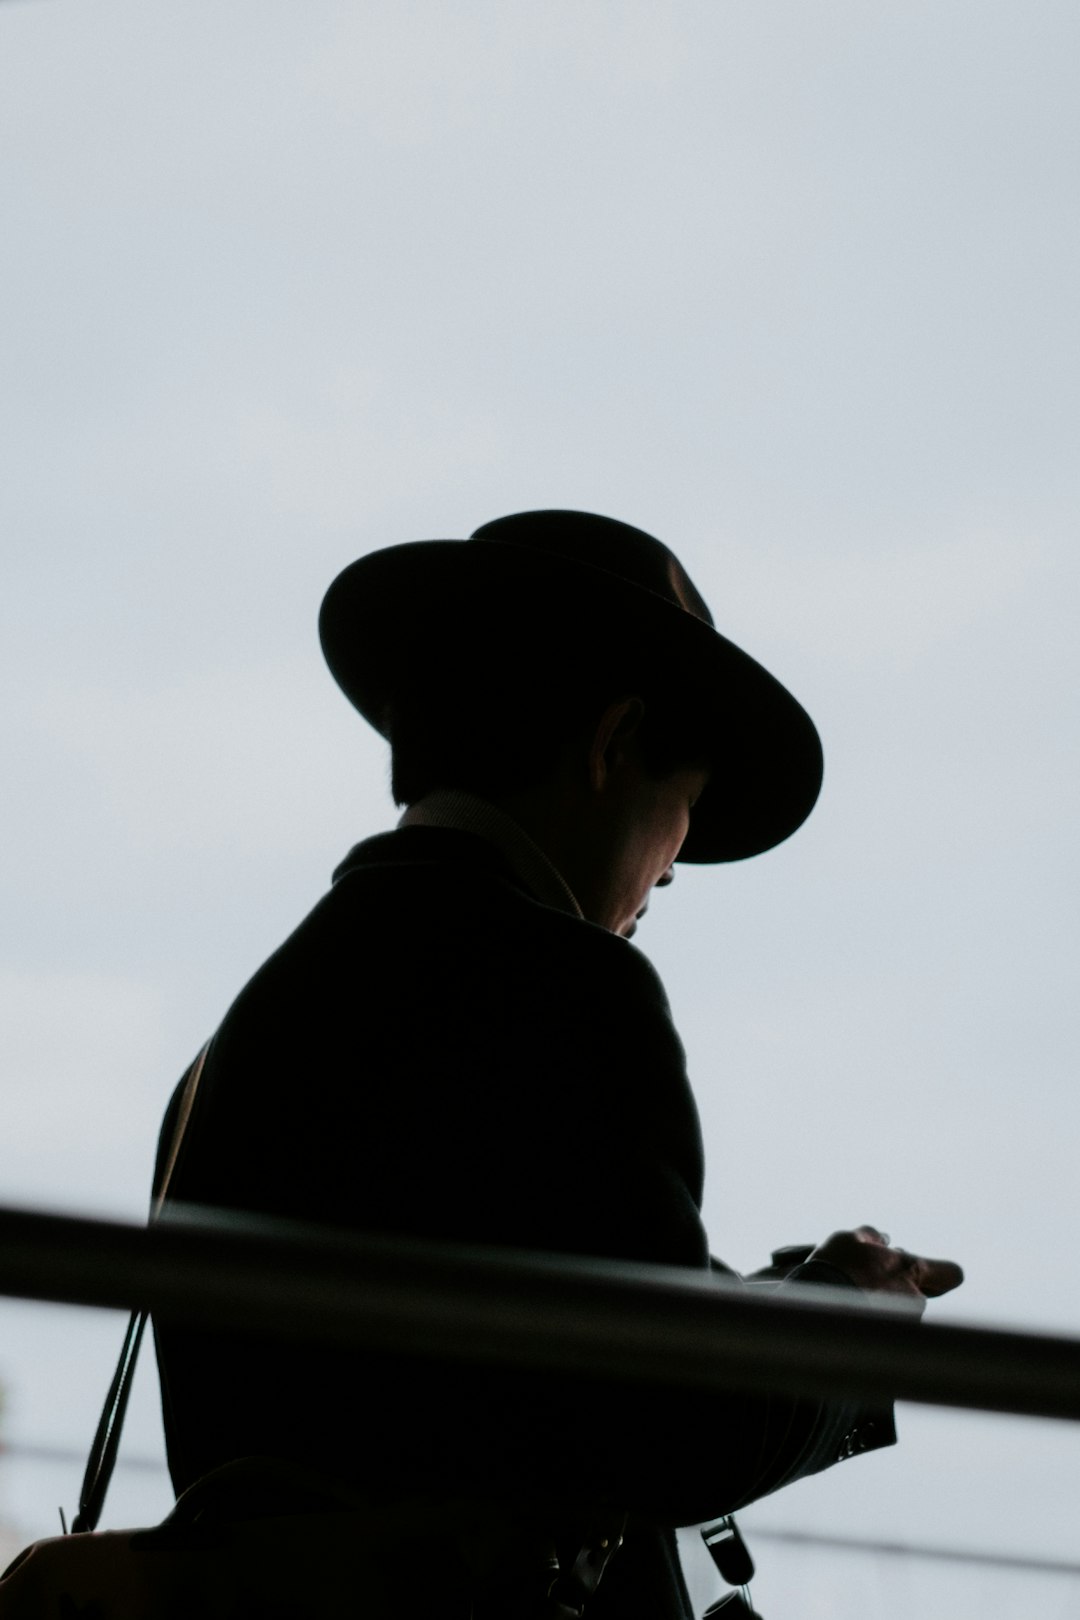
{"x": 605, "y": 543}
{"x": 526, "y": 591}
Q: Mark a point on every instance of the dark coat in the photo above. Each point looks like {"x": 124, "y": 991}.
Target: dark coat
{"x": 436, "y": 1053}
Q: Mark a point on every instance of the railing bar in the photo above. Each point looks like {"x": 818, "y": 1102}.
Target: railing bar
{"x": 662, "y": 1325}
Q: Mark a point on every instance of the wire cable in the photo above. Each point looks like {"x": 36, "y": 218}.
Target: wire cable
{"x": 910, "y": 1549}
{"x": 70, "y": 1456}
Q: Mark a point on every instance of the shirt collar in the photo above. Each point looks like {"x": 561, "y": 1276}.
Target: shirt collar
{"x": 464, "y": 812}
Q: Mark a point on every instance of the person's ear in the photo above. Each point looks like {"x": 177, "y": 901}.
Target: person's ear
{"x": 614, "y": 729}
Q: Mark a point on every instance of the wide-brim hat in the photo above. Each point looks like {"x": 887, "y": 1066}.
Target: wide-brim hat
{"x": 526, "y": 586}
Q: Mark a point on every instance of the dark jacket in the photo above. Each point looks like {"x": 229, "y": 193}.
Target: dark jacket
{"x": 435, "y": 1053}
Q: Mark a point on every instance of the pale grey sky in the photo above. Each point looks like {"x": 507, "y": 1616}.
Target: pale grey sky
{"x": 790, "y": 284}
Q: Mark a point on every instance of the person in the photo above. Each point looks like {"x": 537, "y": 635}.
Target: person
{"x": 461, "y": 1044}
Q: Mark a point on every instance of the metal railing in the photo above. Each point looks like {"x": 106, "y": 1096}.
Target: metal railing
{"x": 70, "y": 1457}
{"x": 662, "y": 1325}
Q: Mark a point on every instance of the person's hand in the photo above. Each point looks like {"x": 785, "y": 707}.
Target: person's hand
{"x": 865, "y": 1256}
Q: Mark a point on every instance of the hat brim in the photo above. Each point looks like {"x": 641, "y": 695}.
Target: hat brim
{"x": 385, "y": 613}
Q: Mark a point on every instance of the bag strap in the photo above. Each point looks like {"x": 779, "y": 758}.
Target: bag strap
{"x": 102, "y": 1460}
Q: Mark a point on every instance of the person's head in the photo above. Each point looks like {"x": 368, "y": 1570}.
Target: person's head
{"x": 491, "y": 664}
{"x": 601, "y": 776}
{"x": 499, "y": 725}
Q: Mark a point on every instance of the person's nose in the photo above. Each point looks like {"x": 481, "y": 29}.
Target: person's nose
{"x": 666, "y": 877}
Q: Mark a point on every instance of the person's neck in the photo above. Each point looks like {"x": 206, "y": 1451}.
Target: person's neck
{"x": 560, "y": 824}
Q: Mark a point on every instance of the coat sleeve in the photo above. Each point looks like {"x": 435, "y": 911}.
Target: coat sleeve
{"x": 806, "y": 1436}
{"x": 698, "y": 1456}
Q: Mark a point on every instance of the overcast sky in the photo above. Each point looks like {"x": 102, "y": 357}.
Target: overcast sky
{"x": 792, "y": 285}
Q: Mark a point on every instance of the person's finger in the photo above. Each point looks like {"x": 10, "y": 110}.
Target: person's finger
{"x": 935, "y": 1277}
{"x": 870, "y": 1234}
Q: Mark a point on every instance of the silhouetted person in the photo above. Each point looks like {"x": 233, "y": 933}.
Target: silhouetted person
{"x": 460, "y": 1043}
